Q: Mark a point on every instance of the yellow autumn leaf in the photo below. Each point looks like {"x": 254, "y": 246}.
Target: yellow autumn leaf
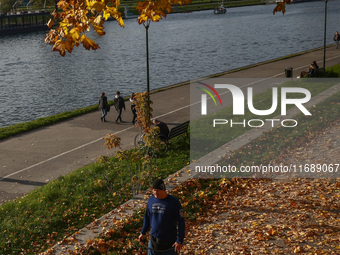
{"x": 99, "y": 30}
{"x": 142, "y": 18}
{"x": 64, "y": 24}
{"x": 106, "y": 14}
{"x": 88, "y": 43}
{"x": 51, "y": 37}
{"x": 62, "y": 47}
{"x": 98, "y": 20}
{"x": 50, "y": 23}
{"x": 62, "y": 4}
{"x": 112, "y": 10}
{"x": 96, "y": 6}
{"x": 75, "y": 34}
{"x": 121, "y": 22}
{"x": 156, "y": 18}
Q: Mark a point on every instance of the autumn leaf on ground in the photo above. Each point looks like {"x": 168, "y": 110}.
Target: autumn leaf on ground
{"x": 293, "y": 203}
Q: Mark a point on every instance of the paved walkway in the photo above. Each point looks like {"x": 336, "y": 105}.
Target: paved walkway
{"x": 32, "y": 159}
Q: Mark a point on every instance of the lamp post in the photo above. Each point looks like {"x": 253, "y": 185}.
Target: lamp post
{"x": 324, "y": 38}
{"x": 147, "y": 25}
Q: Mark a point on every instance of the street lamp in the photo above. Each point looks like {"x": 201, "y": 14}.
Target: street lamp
{"x": 146, "y": 25}
{"x": 324, "y": 38}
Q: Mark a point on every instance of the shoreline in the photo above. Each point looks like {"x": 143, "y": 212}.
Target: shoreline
{"x": 24, "y": 127}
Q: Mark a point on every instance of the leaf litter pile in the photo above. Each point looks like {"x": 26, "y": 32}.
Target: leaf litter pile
{"x": 267, "y": 216}
{"x": 271, "y": 217}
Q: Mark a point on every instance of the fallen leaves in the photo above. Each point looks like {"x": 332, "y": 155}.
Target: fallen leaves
{"x": 249, "y": 224}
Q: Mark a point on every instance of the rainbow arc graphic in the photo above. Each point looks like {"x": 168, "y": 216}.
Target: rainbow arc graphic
{"x": 204, "y": 99}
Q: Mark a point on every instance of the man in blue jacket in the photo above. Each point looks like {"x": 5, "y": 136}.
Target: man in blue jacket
{"x": 164, "y": 215}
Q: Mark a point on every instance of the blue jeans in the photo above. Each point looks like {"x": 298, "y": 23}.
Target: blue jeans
{"x": 104, "y": 113}
{"x": 152, "y": 252}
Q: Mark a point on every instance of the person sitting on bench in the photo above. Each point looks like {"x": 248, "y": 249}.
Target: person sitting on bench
{"x": 313, "y": 68}
{"x": 163, "y": 129}
{"x": 311, "y": 71}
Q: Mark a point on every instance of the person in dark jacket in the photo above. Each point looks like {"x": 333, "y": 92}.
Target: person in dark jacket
{"x": 119, "y": 105}
{"x": 103, "y": 106}
{"x": 133, "y": 107}
{"x": 164, "y": 217}
{"x": 336, "y": 39}
{"x": 163, "y": 129}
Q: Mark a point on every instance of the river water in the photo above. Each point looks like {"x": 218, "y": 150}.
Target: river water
{"x": 36, "y": 82}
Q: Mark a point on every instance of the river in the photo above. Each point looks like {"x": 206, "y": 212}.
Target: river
{"x": 36, "y": 82}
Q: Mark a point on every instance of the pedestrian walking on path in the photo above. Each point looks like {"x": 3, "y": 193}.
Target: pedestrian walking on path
{"x": 133, "y": 107}
{"x": 119, "y": 105}
{"x": 104, "y": 106}
{"x": 164, "y": 215}
{"x": 336, "y": 39}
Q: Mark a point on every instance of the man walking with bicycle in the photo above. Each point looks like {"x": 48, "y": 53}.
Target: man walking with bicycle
{"x": 164, "y": 215}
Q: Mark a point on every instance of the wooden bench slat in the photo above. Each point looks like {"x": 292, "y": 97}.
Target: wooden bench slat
{"x": 179, "y": 129}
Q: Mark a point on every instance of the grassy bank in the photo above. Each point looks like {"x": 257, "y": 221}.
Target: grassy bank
{"x": 19, "y": 128}
{"x": 32, "y": 223}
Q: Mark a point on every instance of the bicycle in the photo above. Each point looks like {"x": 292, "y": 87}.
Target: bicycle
{"x": 151, "y": 151}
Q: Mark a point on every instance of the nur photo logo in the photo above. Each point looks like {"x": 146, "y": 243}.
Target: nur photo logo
{"x": 294, "y": 96}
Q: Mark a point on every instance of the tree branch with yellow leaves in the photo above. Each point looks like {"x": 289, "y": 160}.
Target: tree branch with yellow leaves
{"x": 78, "y": 16}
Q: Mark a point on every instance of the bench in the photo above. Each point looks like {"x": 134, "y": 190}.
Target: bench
{"x": 176, "y": 131}
{"x": 314, "y": 72}
{"x": 179, "y": 129}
